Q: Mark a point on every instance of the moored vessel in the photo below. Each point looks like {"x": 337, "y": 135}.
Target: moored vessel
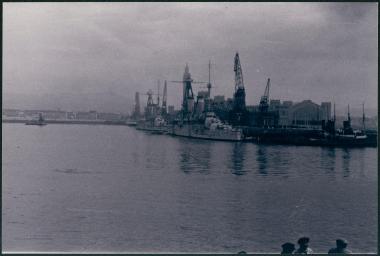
{"x": 156, "y": 126}
{"x": 40, "y": 121}
{"x": 196, "y": 121}
{"x": 211, "y": 129}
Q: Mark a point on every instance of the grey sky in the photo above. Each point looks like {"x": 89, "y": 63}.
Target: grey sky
{"x": 317, "y": 51}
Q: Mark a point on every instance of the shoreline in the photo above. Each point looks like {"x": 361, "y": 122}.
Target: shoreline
{"x": 95, "y": 122}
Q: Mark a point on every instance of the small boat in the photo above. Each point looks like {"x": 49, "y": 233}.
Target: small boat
{"x": 131, "y": 123}
{"x": 40, "y": 121}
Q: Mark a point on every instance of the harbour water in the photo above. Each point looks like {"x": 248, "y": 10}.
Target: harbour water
{"x": 98, "y": 188}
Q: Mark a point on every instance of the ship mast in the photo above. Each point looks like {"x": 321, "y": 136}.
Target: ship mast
{"x": 209, "y": 80}
{"x": 334, "y": 113}
{"x": 158, "y": 93}
{"x": 164, "y": 108}
{"x": 363, "y": 118}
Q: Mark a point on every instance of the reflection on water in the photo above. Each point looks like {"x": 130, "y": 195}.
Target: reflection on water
{"x": 195, "y": 156}
{"x": 262, "y": 160}
{"x": 280, "y": 160}
{"x": 327, "y": 159}
{"x": 144, "y": 193}
{"x": 346, "y": 158}
{"x": 237, "y": 158}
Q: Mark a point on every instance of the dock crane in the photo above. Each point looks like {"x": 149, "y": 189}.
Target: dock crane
{"x": 188, "y": 95}
{"x": 150, "y": 101}
{"x": 238, "y": 115}
{"x": 263, "y": 107}
{"x": 151, "y": 107}
{"x": 239, "y": 95}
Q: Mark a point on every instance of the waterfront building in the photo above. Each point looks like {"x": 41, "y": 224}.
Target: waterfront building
{"x": 305, "y": 114}
{"x": 325, "y": 111}
{"x": 287, "y": 103}
{"x": 274, "y": 105}
{"x": 219, "y": 99}
{"x": 47, "y": 114}
{"x": 283, "y": 114}
{"x": 92, "y": 115}
{"x": 252, "y": 108}
{"x": 70, "y": 115}
{"x": 258, "y": 118}
{"x": 12, "y": 113}
{"x": 109, "y": 116}
{"x": 171, "y": 109}
{"x": 203, "y": 94}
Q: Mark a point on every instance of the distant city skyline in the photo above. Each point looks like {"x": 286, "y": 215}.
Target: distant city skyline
{"x": 102, "y": 53}
{"x": 340, "y": 110}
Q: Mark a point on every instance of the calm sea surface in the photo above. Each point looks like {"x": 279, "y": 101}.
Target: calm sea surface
{"x": 101, "y": 188}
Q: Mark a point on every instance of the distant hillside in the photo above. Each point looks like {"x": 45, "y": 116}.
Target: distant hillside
{"x": 103, "y": 102}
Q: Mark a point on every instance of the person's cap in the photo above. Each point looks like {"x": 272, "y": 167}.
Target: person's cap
{"x": 288, "y": 246}
{"x": 341, "y": 242}
{"x": 303, "y": 240}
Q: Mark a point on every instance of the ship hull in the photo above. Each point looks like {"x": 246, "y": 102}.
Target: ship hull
{"x": 309, "y": 138}
{"x": 35, "y": 123}
{"x": 152, "y": 129}
{"x": 198, "y": 132}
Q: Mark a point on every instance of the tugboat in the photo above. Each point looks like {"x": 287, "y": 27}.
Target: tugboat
{"x": 40, "y": 121}
{"x": 347, "y": 136}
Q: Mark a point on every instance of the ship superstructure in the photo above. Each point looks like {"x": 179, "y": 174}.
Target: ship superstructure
{"x": 198, "y": 122}
{"x": 154, "y": 120}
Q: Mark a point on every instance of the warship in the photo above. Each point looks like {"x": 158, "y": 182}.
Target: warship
{"x": 196, "y": 121}
{"x": 154, "y": 120}
{"x": 40, "y": 121}
{"x": 211, "y": 129}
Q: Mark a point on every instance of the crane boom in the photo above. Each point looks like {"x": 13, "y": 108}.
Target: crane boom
{"x": 265, "y": 98}
{"x": 266, "y": 93}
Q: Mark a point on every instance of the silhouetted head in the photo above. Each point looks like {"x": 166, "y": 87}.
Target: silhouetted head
{"x": 304, "y": 241}
{"x": 288, "y": 248}
{"x": 242, "y": 253}
{"x": 341, "y": 243}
